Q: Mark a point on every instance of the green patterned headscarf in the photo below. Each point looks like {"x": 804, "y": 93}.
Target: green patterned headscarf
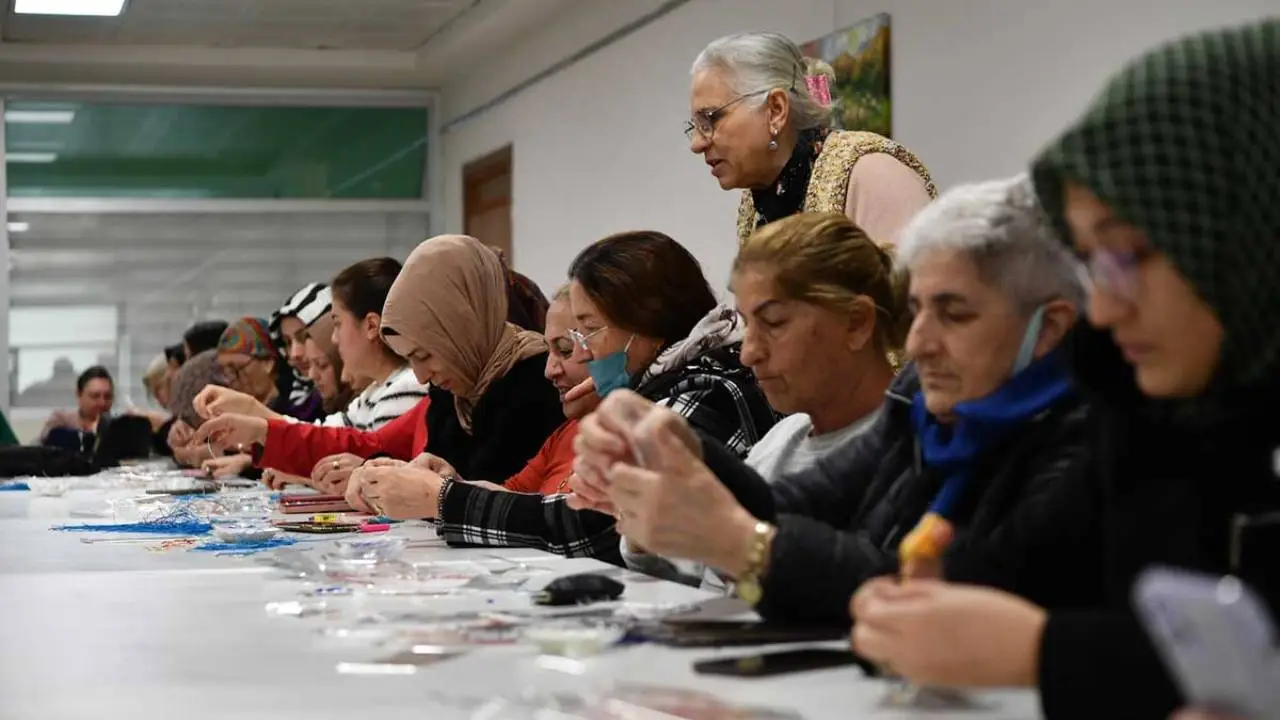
{"x": 1184, "y": 143}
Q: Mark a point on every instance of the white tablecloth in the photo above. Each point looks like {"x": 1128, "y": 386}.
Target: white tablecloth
{"x": 118, "y": 631}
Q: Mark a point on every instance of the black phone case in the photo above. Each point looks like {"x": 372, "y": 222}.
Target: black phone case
{"x": 731, "y": 634}
{"x": 781, "y": 663}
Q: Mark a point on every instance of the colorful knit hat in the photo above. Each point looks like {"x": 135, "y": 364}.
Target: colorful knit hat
{"x": 248, "y": 336}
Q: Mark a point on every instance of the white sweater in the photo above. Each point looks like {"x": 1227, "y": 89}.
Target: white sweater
{"x": 379, "y": 404}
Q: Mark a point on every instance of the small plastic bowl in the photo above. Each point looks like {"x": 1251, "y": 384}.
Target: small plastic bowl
{"x": 245, "y": 532}
{"x": 49, "y": 487}
{"x": 249, "y": 504}
{"x": 371, "y": 547}
{"x": 141, "y": 509}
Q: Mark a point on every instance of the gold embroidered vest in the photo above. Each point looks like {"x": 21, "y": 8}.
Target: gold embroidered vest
{"x": 829, "y": 182}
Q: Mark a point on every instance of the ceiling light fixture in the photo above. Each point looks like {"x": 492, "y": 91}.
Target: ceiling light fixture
{"x": 19, "y": 227}
{"x": 93, "y": 8}
{"x": 39, "y": 117}
{"x": 30, "y": 157}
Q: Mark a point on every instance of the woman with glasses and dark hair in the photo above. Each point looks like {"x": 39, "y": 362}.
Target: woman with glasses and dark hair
{"x": 761, "y": 118}
{"x": 1167, "y": 189}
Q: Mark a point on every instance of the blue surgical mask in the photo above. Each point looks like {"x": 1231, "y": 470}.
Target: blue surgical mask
{"x": 609, "y": 373}
{"x": 1031, "y": 336}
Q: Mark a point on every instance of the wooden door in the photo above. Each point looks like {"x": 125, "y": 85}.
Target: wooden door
{"x": 486, "y": 200}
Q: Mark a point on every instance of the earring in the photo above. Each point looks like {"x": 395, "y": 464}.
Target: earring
{"x": 773, "y": 144}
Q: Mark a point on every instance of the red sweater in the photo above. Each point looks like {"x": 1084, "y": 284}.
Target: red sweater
{"x": 295, "y": 448}
{"x": 552, "y": 465}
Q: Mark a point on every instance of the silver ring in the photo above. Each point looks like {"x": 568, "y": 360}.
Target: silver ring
{"x": 336, "y": 466}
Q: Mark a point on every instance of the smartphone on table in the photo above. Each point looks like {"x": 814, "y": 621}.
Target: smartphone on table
{"x": 1217, "y": 638}
{"x": 784, "y": 662}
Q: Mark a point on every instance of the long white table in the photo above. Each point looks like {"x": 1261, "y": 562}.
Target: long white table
{"x": 117, "y": 631}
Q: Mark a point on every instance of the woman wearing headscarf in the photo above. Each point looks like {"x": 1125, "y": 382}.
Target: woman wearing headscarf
{"x": 326, "y": 371}
{"x": 447, "y": 315}
{"x": 1167, "y": 189}
{"x": 489, "y": 408}
{"x": 299, "y": 311}
{"x": 761, "y": 118}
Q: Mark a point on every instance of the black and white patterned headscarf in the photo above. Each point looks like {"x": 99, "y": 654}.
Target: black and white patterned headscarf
{"x": 307, "y": 304}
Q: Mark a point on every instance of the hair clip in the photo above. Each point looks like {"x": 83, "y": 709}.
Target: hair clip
{"x": 819, "y": 88}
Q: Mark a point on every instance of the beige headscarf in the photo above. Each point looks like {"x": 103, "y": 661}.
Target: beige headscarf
{"x": 451, "y": 300}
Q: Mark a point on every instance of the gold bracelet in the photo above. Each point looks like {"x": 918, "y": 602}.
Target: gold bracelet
{"x": 748, "y": 585}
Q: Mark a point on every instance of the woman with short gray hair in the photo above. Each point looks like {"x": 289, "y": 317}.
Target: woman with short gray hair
{"x": 761, "y": 118}
{"x": 952, "y": 477}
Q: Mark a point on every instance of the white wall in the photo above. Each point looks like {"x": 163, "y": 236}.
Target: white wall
{"x": 978, "y": 87}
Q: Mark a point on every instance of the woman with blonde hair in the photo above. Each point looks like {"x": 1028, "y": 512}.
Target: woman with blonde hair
{"x": 820, "y": 300}
{"x": 761, "y": 118}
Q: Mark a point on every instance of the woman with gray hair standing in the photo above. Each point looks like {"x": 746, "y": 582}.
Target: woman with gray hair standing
{"x": 761, "y": 117}
{"x": 970, "y": 439}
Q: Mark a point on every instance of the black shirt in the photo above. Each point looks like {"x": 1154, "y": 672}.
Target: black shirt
{"x": 509, "y": 424}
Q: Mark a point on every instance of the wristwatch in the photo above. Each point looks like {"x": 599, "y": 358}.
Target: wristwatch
{"x": 747, "y": 585}
{"x": 444, "y": 491}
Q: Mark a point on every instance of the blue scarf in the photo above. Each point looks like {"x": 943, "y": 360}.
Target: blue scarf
{"x": 980, "y": 424}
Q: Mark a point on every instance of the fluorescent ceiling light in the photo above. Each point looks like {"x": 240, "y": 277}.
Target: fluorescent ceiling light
{"x": 96, "y": 8}
{"x": 39, "y": 117}
{"x": 19, "y": 227}
{"x": 30, "y": 157}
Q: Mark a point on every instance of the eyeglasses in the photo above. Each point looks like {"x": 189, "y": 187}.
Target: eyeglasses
{"x": 581, "y": 340}
{"x": 704, "y": 121}
{"x": 1113, "y": 271}
{"x": 233, "y": 373}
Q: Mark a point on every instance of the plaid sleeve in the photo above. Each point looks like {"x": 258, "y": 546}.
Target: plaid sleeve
{"x": 721, "y": 410}
{"x": 477, "y": 516}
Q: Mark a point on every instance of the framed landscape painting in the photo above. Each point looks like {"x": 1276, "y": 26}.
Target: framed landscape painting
{"x": 860, "y": 57}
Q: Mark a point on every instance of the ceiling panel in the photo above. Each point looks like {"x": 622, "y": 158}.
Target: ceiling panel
{"x": 311, "y": 24}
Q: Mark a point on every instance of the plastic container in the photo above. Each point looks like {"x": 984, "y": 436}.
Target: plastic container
{"x": 244, "y": 532}
{"x": 573, "y": 639}
{"x": 370, "y": 547}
